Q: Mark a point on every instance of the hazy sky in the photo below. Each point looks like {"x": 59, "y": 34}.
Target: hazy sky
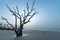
{"x": 48, "y": 17}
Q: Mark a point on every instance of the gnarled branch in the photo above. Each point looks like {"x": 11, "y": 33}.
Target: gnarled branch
{"x": 7, "y": 22}
{"x": 29, "y": 12}
{"x": 31, "y": 17}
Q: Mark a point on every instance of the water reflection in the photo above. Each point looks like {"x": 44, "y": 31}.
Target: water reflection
{"x": 19, "y": 38}
{"x": 22, "y": 36}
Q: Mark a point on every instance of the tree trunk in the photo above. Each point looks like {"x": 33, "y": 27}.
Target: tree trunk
{"x": 18, "y": 33}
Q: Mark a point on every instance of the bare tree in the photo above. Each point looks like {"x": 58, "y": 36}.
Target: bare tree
{"x": 28, "y": 13}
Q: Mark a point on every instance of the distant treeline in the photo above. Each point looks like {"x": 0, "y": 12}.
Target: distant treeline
{"x": 3, "y": 28}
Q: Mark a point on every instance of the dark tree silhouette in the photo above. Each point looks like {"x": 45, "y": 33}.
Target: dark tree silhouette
{"x": 0, "y": 24}
{"x": 28, "y": 13}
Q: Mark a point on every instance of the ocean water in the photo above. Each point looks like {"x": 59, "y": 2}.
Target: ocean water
{"x": 50, "y": 29}
{"x": 10, "y": 35}
{"x": 30, "y": 35}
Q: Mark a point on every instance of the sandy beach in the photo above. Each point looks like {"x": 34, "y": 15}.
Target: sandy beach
{"x": 30, "y": 35}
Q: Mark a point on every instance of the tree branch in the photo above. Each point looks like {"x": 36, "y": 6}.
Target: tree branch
{"x": 31, "y": 17}
{"x": 7, "y": 22}
{"x": 19, "y": 15}
{"x": 16, "y": 14}
{"x": 32, "y": 8}
{"x": 29, "y": 13}
{"x": 18, "y": 11}
{"x": 10, "y": 9}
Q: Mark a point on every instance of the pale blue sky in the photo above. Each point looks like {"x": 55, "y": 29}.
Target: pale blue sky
{"x": 49, "y": 12}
